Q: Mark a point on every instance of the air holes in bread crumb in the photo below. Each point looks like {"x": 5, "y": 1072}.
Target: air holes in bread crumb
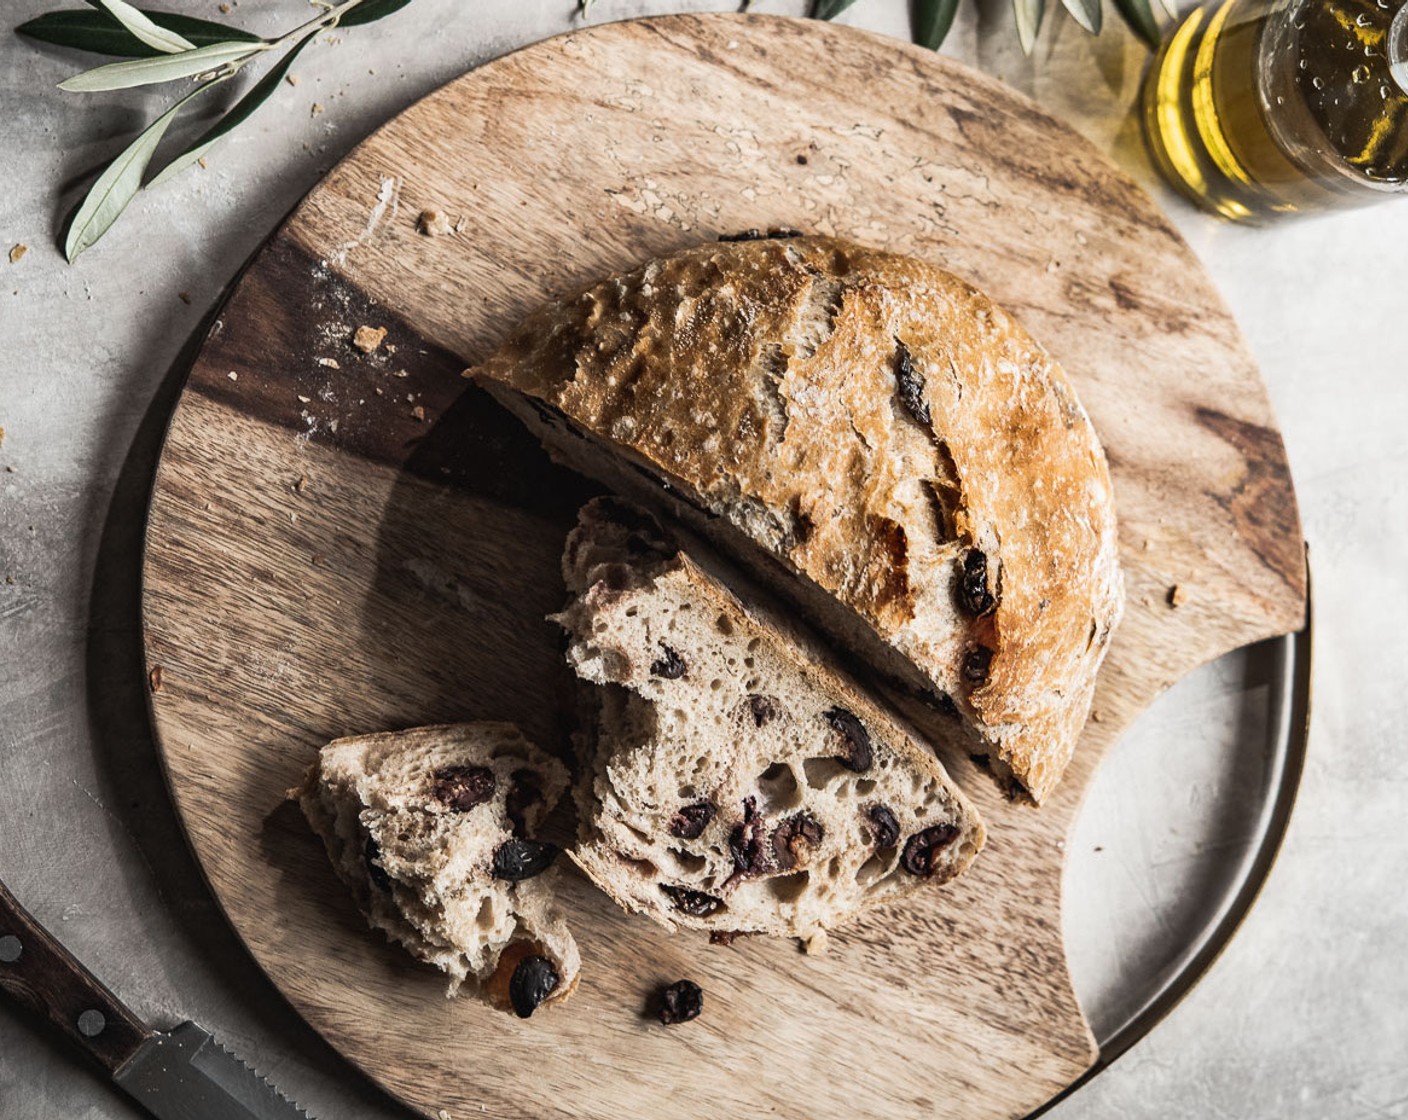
{"x": 820, "y": 773}
{"x": 788, "y": 888}
{"x": 777, "y": 786}
{"x": 688, "y": 864}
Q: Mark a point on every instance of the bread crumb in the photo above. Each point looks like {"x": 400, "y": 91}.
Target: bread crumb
{"x": 10, "y": 579}
{"x": 201, "y": 162}
{"x": 816, "y": 944}
{"x": 154, "y": 678}
{"x": 367, "y": 339}
{"x": 419, "y": 413}
{"x": 1096, "y": 715}
{"x": 291, "y": 79}
{"x": 444, "y": 1114}
{"x": 184, "y": 297}
{"x": 380, "y": 391}
{"x": 301, "y": 485}
{"x": 400, "y": 373}
{"x": 1148, "y": 544}
{"x": 225, "y": 9}
{"x": 304, "y": 400}
{"x": 1177, "y": 595}
{"x": 316, "y": 109}
{"x": 331, "y": 363}
{"x": 209, "y": 505}
{"x": 233, "y": 376}
{"x": 17, "y": 253}
{"x": 433, "y": 223}
{"x": 2, "y": 437}
{"x": 467, "y": 372}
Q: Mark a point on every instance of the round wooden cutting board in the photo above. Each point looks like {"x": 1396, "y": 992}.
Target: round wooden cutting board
{"x": 343, "y": 542}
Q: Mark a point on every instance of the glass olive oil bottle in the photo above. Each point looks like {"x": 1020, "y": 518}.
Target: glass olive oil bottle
{"x": 1258, "y": 108}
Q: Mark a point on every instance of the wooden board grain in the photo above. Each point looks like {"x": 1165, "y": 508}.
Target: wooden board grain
{"x": 342, "y": 542}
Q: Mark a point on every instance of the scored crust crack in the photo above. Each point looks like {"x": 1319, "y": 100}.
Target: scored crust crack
{"x": 730, "y": 780}
{"x": 432, "y": 829}
{"x": 878, "y": 441}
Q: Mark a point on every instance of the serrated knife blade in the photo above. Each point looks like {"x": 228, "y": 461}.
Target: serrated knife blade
{"x": 180, "y": 1074}
{"x": 184, "y": 1074}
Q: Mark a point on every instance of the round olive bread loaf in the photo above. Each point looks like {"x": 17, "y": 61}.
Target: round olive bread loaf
{"x": 877, "y": 439}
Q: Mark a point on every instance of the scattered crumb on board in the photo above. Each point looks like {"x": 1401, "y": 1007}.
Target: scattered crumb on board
{"x": 2, "y": 437}
{"x": 315, "y": 110}
{"x": 331, "y": 363}
{"x": 434, "y": 223}
{"x": 154, "y": 678}
{"x": 1177, "y": 595}
{"x": 418, "y": 413}
{"x": 367, "y": 339}
{"x": 184, "y": 297}
{"x": 17, "y": 253}
{"x": 301, "y": 485}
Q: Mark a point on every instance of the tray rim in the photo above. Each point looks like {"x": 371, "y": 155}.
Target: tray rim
{"x": 1203, "y": 952}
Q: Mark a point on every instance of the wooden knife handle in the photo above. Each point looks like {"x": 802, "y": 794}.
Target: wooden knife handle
{"x": 40, "y": 974}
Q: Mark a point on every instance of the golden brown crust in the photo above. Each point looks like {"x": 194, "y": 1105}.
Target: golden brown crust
{"x": 873, "y": 422}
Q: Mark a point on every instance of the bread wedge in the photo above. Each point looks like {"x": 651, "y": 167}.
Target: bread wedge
{"x": 731, "y": 781}
{"x": 432, "y": 829}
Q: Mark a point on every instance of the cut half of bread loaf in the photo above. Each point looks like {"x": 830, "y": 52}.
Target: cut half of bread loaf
{"x": 732, "y": 781}
{"x": 875, "y": 438}
{"x": 432, "y": 828}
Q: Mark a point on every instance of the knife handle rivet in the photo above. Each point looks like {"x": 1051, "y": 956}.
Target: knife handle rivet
{"x": 10, "y": 949}
{"x": 91, "y": 1023}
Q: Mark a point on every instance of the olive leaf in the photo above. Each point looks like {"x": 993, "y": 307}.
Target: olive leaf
{"x": 142, "y": 28}
{"x": 370, "y": 10}
{"x": 1029, "y": 13}
{"x": 163, "y": 68}
{"x": 1140, "y": 18}
{"x": 242, "y": 110}
{"x": 1088, "y": 13}
{"x": 100, "y": 33}
{"x": 829, "y": 9}
{"x": 120, "y": 181}
{"x": 932, "y": 19}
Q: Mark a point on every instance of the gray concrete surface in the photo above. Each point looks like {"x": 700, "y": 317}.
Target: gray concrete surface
{"x": 1307, "y": 1013}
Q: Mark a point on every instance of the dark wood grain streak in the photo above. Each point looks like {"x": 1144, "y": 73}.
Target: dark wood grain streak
{"x": 49, "y": 981}
{"x": 404, "y": 404}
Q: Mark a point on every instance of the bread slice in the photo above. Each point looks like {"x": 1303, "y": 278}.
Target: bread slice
{"x": 432, "y": 829}
{"x": 734, "y": 782}
{"x": 875, "y": 438}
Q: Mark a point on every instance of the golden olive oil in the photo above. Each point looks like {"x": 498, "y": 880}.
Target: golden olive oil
{"x": 1254, "y": 108}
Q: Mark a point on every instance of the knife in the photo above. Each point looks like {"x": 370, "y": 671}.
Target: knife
{"x": 180, "y": 1074}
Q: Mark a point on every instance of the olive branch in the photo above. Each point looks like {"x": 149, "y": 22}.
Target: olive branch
{"x": 159, "y": 47}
